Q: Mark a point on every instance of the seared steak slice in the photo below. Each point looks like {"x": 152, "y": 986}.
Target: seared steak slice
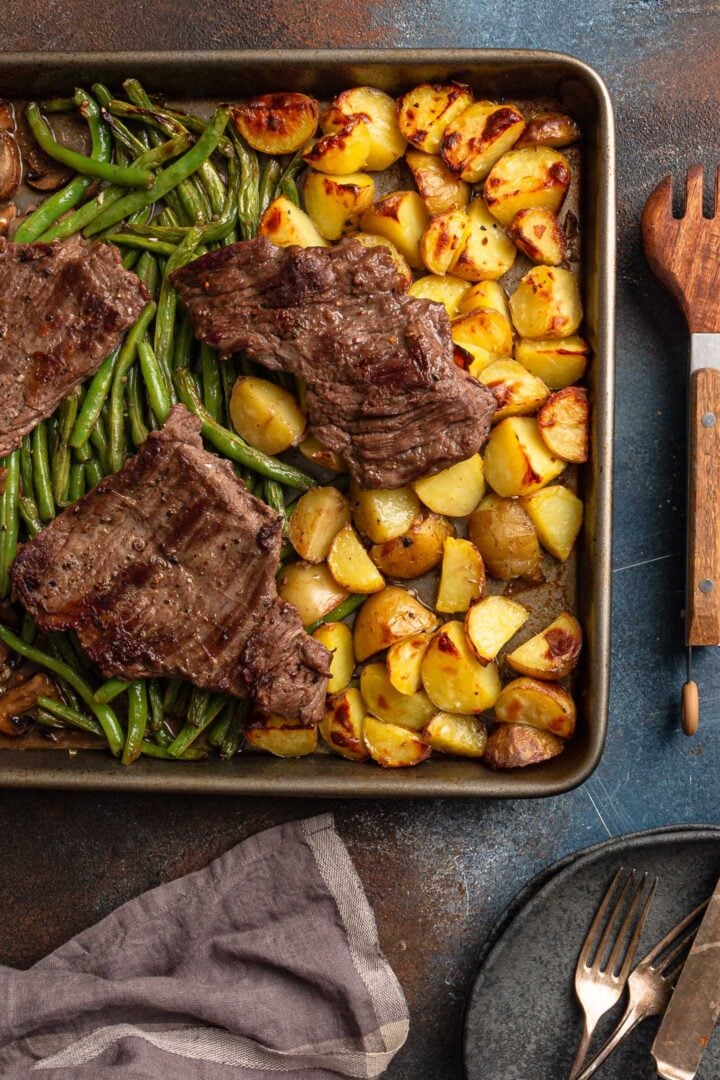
{"x": 63, "y": 308}
{"x": 383, "y": 389}
{"x": 168, "y": 568}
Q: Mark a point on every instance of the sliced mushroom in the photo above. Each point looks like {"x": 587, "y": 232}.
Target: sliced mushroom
{"x": 44, "y": 174}
{"x": 18, "y": 701}
{"x": 10, "y": 166}
{"x": 7, "y": 116}
{"x": 6, "y": 216}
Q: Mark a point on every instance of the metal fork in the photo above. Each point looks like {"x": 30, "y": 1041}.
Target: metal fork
{"x": 651, "y": 984}
{"x": 599, "y": 988}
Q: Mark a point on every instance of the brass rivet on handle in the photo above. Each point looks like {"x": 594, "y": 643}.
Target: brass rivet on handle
{"x": 706, "y": 585}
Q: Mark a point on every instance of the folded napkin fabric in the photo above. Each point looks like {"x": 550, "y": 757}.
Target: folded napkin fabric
{"x": 265, "y": 963}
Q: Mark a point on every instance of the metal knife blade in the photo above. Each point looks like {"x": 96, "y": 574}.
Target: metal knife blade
{"x": 690, "y": 1018}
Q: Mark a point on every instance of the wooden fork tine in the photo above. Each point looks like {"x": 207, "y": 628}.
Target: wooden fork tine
{"x": 597, "y": 921}
{"x": 694, "y": 192}
{"x": 637, "y": 932}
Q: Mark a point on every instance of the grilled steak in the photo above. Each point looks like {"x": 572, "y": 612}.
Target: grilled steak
{"x": 383, "y": 389}
{"x": 63, "y": 308}
{"x": 168, "y": 568}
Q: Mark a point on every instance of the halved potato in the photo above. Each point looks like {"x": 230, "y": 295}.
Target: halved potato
{"x": 402, "y": 217}
{"x": 279, "y": 736}
{"x": 313, "y": 450}
{"x": 379, "y": 113}
{"x": 465, "y": 736}
{"x": 557, "y": 363}
{"x": 490, "y": 623}
{"x": 454, "y": 491}
{"x": 425, "y": 112}
{"x": 521, "y": 179}
{"x": 350, "y": 564}
{"x": 546, "y": 303}
{"x": 333, "y": 202}
{"x": 387, "y": 617}
{"x": 343, "y": 152}
{"x": 462, "y": 578}
{"x": 564, "y": 423}
{"x": 447, "y": 290}
{"x": 557, "y": 515}
{"x": 453, "y": 679}
{"x": 486, "y": 294}
{"x": 485, "y": 335}
{"x": 392, "y": 746}
{"x": 551, "y": 654}
{"x": 337, "y": 638}
{"x": 342, "y": 725}
{"x": 317, "y": 518}
{"x": 488, "y": 252}
{"x": 517, "y": 461}
{"x": 539, "y": 235}
{"x": 404, "y": 662}
{"x": 506, "y": 538}
{"x": 277, "y": 123}
{"x": 550, "y": 129}
{"x": 371, "y": 240}
{"x": 287, "y": 225}
{"x": 266, "y": 415}
{"x": 443, "y": 239}
{"x": 417, "y": 551}
{"x": 440, "y": 188}
{"x": 311, "y": 589}
{"x": 472, "y": 143}
{"x": 382, "y": 700}
{"x": 543, "y": 705}
{"x": 383, "y": 513}
{"x": 513, "y": 746}
{"x": 517, "y": 391}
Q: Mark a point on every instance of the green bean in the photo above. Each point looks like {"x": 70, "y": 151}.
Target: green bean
{"x": 164, "y": 735}
{"x": 130, "y": 258}
{"x": 63, "y": 647}
{"x": 219, "y": 730}
{"x": 28, "y": 629}
{"x": 60, "y": 467}
{"x": 234, "y": 734}
{"x": 70, "y": 716}
{"x": 93, "y": 473}
{"x": 149, "y": 273}
{"x": 76, "y": 486}
{"x": 29, "y": 513}
{"x": 211, "y": 382}
{"x": 190, "y": 732}
{"x": 268, "y": 183}
{"x": 95, "y": 397}
{"x": 58, "y": 105}
{"x": 155, "y": 702}
{"x": 167, "y": 307}
{"x": 100, "y": 141}
{"x": 140, "y": 243}
{"x": 135, "y": 410}
{"x": 116, "y": 449}
{"x": 274, "y": 496}
{"x": 249, "y": 195}
{"x": 137, "y": 721}
{"x": 26, "y": 467}
{"x": 137, "y": 144}
{"x": 9, "y": 518}
{"x": 100, "y": 444}
{"x": 41, "y": 473}
{"x": 152, "y": 750}
{"x": 288, "y": 188}
{"x": 110, "y": 690}
{"x": 339, "y": 612}
{"x": 183, "y": 342}
{"x": 155, "y": 385}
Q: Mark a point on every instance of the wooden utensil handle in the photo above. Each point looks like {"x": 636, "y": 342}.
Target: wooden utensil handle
{"x": 703, "y": 573}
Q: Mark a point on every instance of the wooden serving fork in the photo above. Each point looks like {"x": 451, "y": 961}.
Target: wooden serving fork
{"x": 684, "y": 253}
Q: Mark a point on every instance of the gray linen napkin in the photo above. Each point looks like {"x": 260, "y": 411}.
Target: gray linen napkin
{"x": 266, "y": 962}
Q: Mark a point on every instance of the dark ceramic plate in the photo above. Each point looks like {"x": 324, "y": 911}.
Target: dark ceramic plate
{"x": 522, "y": 1021}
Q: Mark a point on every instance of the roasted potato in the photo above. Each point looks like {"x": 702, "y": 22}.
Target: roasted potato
{"x": 539, "y": 235}
{"x": 378, "y": 112}
{"x": 443, "y": 240}
{"x": 557, "y": 363}
{"x": 453, "y": 679}
{"x": 425, "y": 112}
{"x": 513, "y": 746}
{"x": 485, "y": 294}
{"x": 417, "y": 551}
{"x": 266, "y": 415}
{"x": 440, "y": 188}
{"x": 337, "y": 639}
{"x": 382, "y": 700}
{"x": 517, "y": 391}
{"x": 342, "y": 725}
{"x": 447, "y": 290}
{"x": 343, "y": 152}
{"x": 287, "y": 225}
{"x": 543, "y": 705}
{"x": 491, "y": 623}
{"x": 387, "y": 617}
{"x": 488, "y": 253}
{"x": 404, "y": 662}
{"x": 392, "y": 746}
{"x": 383, "y": 513}
{"x": 546, "y": 303}
{"x": 277, "y": 123}
{"x": 564, "y": 423}
{"x": 317, "y": 518}
{"x": 551, "y": 654}
{"x": 350, "y": 564}
{"x": 311, "y": 589}
{"x": 454, "y": 491}
{"x": 521, "y": 179}
{"x": 517, "y": 461}
{"x": 402, "y": 217}
{"x": 557, "y": 515}
{"x": 472, "y": 143}
{"x": 334, "y": 202}
{"x": 462, "y": 578}
{"x": 485, "y": 336}
{"x": 464, "y": 736}
{"x": 372, "y": 240}
{"x": 506, "y": 538}
{"x": 549, "y": 129}
{"x": 313, "y": 450}
{"x": 278, "y": 736}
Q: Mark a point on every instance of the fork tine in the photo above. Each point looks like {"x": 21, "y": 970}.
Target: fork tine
{"x": 597, "y": 922}
{"x": 605, "y": 939}
{"x": 663, "y": 968}
{"x": 672, "y": 935}
{"x": 626, "y": 924}
{"x": 694, "y": 192}
{"x": 637, "y": 933}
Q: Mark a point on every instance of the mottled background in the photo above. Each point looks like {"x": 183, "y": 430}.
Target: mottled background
{"x": 439, "y": 873}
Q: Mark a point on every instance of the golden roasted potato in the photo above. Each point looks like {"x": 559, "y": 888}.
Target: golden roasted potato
{"x": 313, "y": 450}
{"x": 382, "y": 700}
{"x": 287, "y": 225}
{"x": 387, "y": 617}
{"x": 392, "y": 746}
{"x": 472, "y": 143}
{"x": 383, "y": 513}
{"x": 549, "y": 129}
{"x": 462, "y": 578}
{"x": 539, "y": 235}
{"x": 488, "y": 252}
{"x": 517, "y": 391}
{"x": 521, "y": 179}
{"x": 447, "y": 290}
{"x": 311, "y": 589}
{"x": 417, "y": 551}
{"x": 425, "y": 112}
{"x": 350, "y": 564}
{"x": 337, "y": 639}
{"x": 277, "y": 123}
{"x": 372, "y": 240}
{"x": 343, "y": 152}
{"x": 317, "y": 518}
{"x": 546, "y": 303}
{"x": 557, "y": 515}
{"x": 485, "y": 294}
{"x": 513, "y": 746}
{"x": 278, "y": 736}
{"x": 464, "y": 736}
{"x": 453, "y": 679}
{"x": 506, "y": 538}
{"x": 443, "y": 240}
{"x": 404, "y": 662}
{"x": 490, "y": 623}
{"x": 378, "y": 112}
{"x": 402, "y": 217}
{"x": 484, "y": 335}
{"x": 543, "y": 705}
{"x": 564, "y": 424}
{"x": 342, "y": 725}
{"x": 454, "y": 491}
{"x": 517, "y": 461}
{"x": 440, "y": 188}
{"x": 551, "y": 654}
{"x": 266, "y": 415}
{"x": 557, "y": 363}
{"x": 333, "y": 202}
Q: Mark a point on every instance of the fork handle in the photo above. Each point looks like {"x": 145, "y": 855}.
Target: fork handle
{"x": 703, "y": 566}
{"x": 628, "y": 1023}
{"x": 583, "y": 1048}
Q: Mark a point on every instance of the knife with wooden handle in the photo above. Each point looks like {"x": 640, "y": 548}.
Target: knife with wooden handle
{"x": 691, "y": 1016}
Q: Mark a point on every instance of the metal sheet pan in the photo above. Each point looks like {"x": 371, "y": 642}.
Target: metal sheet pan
{"x": 519, "y": 74}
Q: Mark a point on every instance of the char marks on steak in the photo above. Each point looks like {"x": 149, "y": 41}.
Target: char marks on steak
{"x": 63, "y": 307}
{"x": 383, "y": 389}
{"x": 168, "y": 568}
